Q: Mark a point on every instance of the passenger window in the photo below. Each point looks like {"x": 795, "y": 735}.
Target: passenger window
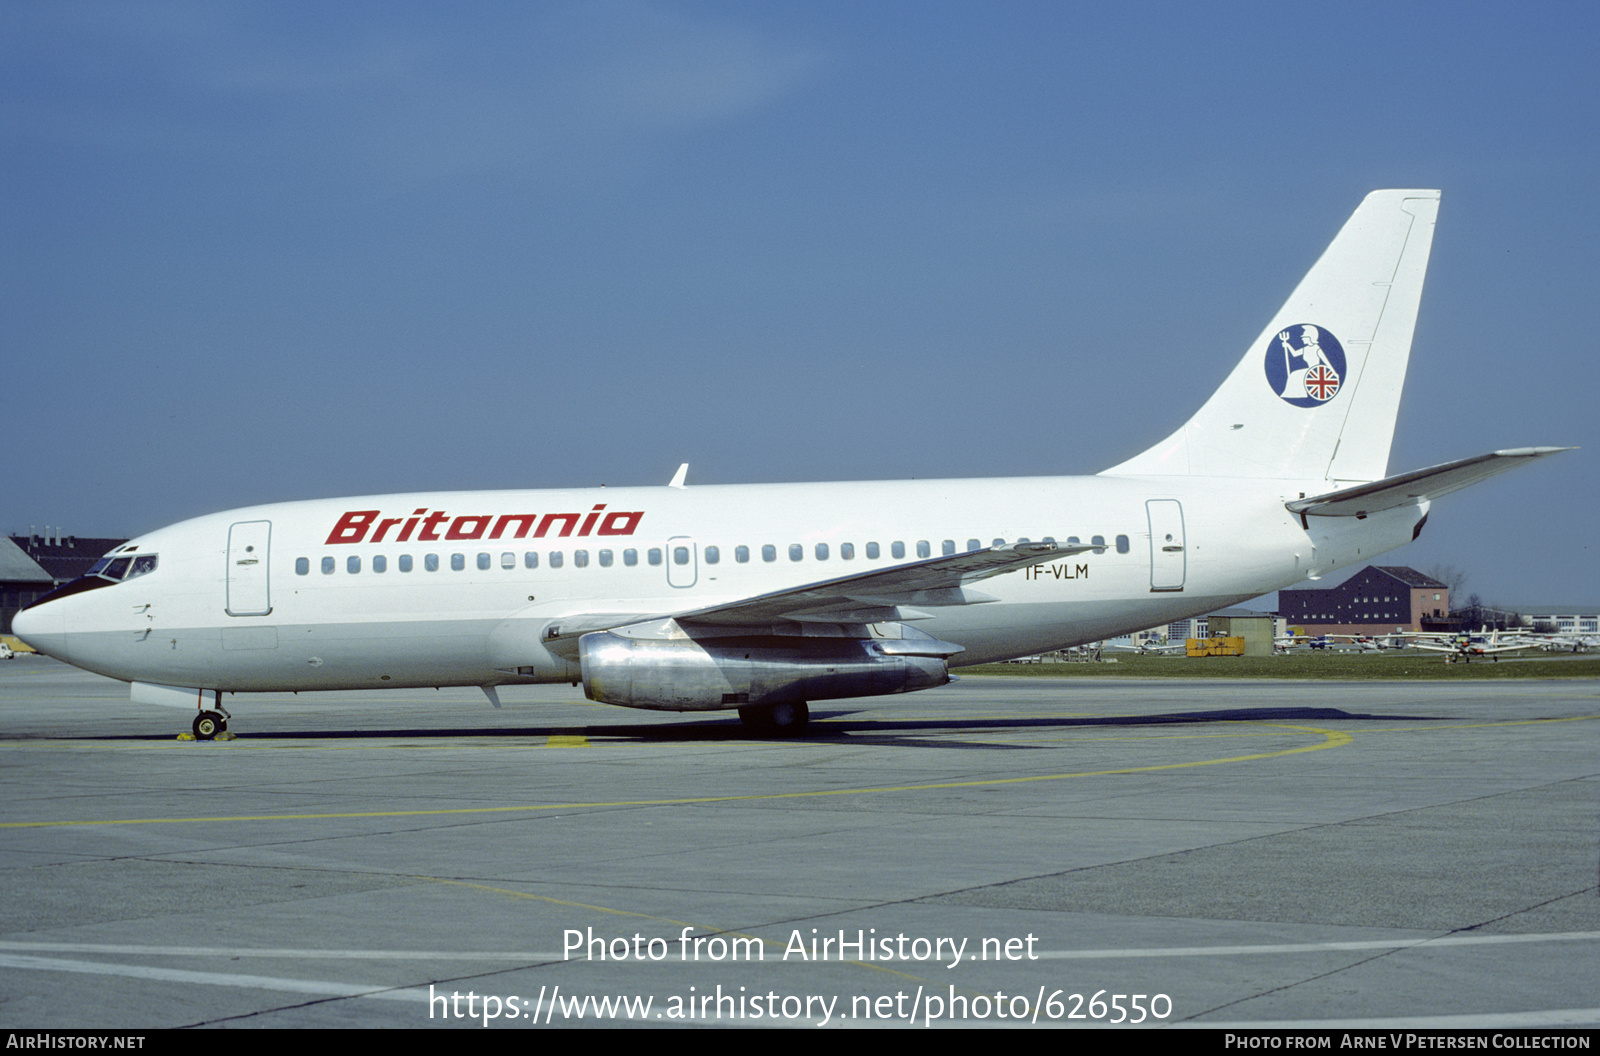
{"x": 530, "y": 559}
{"x": 847, "y": 551}
{"x": 769, "y": 553}
{"x": 947, "y": 547}
{"x": 999, "y": 542}
{"x": 897, "y": 550}
{"x": 796, "y": 552}
{"x": 653, "y": 555}
{"x": 741, "y": 554}
{"x": 923, "y": 550}
{"x": 1072, "y": 540}
{"x": 1099, "y": 542}
{"x": 405, "y": 562}
{"x": 630, "y": 557}
{"x": 680, "y": 555}
{"x": 713, "y": 555}
{"x": 605, "y": 558}
{"x": 302, "y": 566}
{"x": 872, "y": 551}
{"x": 508, "y": 560}
{"x": 580, "y": 558}
{"x": 380, "y": 563}
{"x": 974, "y": 544}
{"x": 822, "y": 551}
{"x": 485, "y": 561}
{"x": 352, "y": 564}
{"x": 458, "y": 562}
{"x": 1122, "y": 544}
{"x": 555, "y": 559}
{"x": 327, "y": 566}
{"x": 430, "y": 562}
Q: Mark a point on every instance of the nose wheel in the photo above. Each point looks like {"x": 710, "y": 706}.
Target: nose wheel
{"x": 208, "y": 724}
{"x": 783, "y": 720}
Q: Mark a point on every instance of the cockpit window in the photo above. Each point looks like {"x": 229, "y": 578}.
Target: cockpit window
{"x": 103, "y": 573}
{"x": 117, "y": 569}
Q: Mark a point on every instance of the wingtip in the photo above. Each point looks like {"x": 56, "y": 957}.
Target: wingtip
{"x": 1532, "y": 452}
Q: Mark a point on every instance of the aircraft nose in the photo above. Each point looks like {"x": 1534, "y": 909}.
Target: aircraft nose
{"x": 38, "y": 625}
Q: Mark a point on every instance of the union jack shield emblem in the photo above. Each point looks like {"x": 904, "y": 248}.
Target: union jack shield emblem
{"x": 1321, "y": 383}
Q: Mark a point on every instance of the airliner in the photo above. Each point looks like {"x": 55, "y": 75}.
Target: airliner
{"x": 764, "y": 598}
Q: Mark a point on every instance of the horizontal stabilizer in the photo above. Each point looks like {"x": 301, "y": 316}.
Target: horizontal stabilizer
{"x": 1417, "y": 487}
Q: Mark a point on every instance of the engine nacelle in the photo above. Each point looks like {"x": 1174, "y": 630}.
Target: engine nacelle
{"x": 688, "y": 674}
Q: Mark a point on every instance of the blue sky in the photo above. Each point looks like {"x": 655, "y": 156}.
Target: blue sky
{"x": 261, "y": 251}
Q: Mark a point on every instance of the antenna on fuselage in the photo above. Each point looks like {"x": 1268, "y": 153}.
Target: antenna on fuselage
{"x": 678, "y": 477}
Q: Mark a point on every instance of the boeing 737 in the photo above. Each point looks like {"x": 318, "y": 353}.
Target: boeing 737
{"x": 766, "y": 597}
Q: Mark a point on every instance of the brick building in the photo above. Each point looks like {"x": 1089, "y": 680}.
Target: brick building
{"x": 1377, "y": 600}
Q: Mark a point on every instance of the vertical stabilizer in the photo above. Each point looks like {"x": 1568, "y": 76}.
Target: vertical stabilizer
{"x": 1316, "y": 395}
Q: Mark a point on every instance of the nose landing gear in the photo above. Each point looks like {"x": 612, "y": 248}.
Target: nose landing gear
{"x": 209, "y": 724}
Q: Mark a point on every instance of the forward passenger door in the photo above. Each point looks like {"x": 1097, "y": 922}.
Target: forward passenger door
{"x": 249, "y": 584}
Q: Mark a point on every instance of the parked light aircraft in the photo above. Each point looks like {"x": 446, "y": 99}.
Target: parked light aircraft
{"x": 1366, "y": 643}
{"x": 1152, "y": 647}
{"x": 1576, "y": 643}
{"x": 1463, "y": 647}
{"x": 766, "y": 597}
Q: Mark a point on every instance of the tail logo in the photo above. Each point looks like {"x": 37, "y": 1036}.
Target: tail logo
{"x": 1308, "y": 374}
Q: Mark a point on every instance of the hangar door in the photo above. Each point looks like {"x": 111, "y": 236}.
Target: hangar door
{"x": 247, "y": 568}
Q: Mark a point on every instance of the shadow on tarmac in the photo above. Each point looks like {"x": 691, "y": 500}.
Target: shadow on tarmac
{"x": 855, "y": 726}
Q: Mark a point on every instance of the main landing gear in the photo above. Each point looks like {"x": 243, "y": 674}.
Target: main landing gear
{"x": 208, "y": 724}
{"x": 783, "y": 720}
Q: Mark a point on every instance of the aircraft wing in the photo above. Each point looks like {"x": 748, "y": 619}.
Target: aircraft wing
{"x": 886, "y": 594}
{"x": 1417, "y": 487}
{"x": 882, "y": 595}
{"x": 1475, "y": 648}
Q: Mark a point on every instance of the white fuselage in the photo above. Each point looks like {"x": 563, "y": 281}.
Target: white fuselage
{"x": 439, "y": 589}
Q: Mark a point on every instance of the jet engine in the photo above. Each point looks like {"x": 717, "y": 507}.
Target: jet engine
{"x": 696, "y": 670}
